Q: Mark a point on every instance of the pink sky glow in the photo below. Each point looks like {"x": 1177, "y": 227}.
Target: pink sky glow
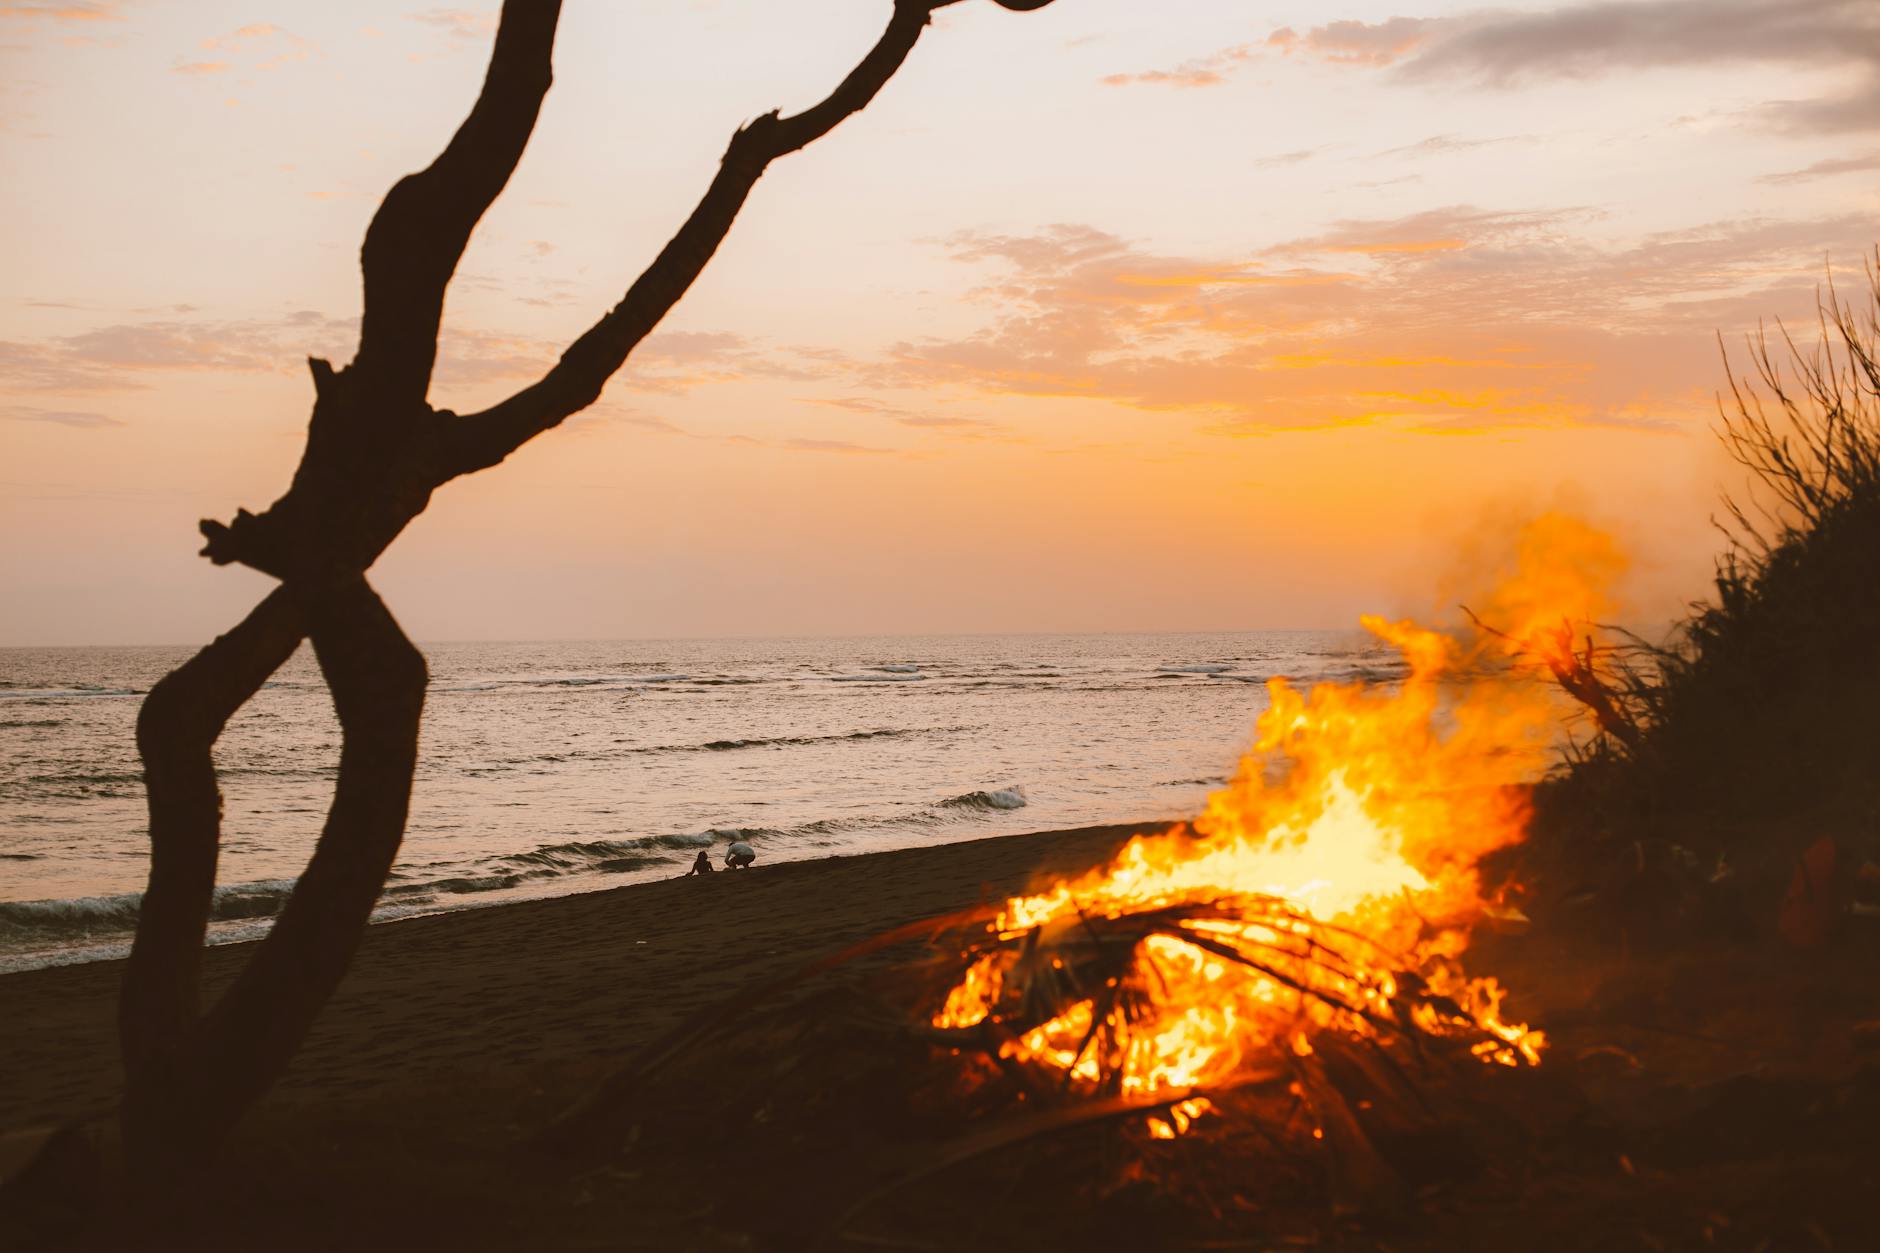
{"x": 1113, "y": 316}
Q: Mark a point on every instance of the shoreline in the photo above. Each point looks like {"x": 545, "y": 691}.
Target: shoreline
{"x": 456, "y": 997}
{"x": 108, "y": 938}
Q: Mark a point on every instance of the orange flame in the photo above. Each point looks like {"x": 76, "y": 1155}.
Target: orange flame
{"x": 1363, "y": 807}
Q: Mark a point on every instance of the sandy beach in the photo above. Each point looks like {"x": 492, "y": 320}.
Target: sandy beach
{"x": 546, "y": 990}
{"x": 407, "y": 1120}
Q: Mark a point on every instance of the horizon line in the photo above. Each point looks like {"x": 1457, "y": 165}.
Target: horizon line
{"x": 694, "y": 639}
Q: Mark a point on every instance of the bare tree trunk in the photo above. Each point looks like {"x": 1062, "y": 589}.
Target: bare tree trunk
{"x": 176, "y": 729}
{"x": 190, "y": 1077}
{"x": 375, "y": 452}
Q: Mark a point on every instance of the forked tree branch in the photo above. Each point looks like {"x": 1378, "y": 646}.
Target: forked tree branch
{"x": 420, "y": 231}
{"x": 484, "y": 439}
{"x": 375, "y": 451}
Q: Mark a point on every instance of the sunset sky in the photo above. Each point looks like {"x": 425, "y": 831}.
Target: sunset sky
{"x": 1187, "y": 315}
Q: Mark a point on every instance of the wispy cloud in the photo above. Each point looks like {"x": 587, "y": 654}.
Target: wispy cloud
{"x": 1358, "y": 43}
{"x": 1210, "y": 71}
{"x": 120, "y": 356}
{"x": 62, "y": 12}
{"x": 1440, "y": 145}
{"x": 79, "y": 419}
{"x": 1288, "y": 158}
{"x": 677, "y": 361}
{"x": 798, "y": 443}
{"x": 123, "y": 355}
{"x": 257, "y": 47}
{"x": 613, "y": 414}
{"x": 1826, "y": 169}
{"x": 71, "y": 23}
{"x": 1851, "y": 112}
{"x": 459, "y": 23}
{"x": 972, "y": 428}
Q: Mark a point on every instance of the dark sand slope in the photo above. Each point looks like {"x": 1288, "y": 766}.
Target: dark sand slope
{"x": 453, "y": 998}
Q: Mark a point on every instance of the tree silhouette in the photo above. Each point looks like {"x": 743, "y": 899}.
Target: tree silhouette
{"x": 375, "y": 452}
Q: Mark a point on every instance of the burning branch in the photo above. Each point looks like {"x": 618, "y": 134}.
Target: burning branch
{"x": 1178, "y": 996}
{"x": 1577, "y": 673}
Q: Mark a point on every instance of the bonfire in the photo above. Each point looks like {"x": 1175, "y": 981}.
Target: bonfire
{"x": 1328, "y": 891}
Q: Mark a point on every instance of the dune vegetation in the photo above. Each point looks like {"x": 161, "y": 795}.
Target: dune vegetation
{"x": 1746, "y": 736}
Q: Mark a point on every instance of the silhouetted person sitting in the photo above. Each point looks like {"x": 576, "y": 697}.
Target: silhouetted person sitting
{"x": 739, "y": 856}
{"x": 702, "y": 864}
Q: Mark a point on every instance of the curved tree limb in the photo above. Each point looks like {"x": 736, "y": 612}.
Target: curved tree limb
{"x": 176, "y": 728}
{"x": 420, "y": 231}
{"x": 478, "y": 441}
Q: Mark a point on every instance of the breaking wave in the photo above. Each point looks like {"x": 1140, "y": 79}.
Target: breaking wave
{"x": 721, "y": 746}
{"x": 87, "y": 914}
{"x": 1001, "y": 798}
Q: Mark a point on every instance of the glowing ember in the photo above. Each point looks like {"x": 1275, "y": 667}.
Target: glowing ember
{"x": 1330, "y": 886}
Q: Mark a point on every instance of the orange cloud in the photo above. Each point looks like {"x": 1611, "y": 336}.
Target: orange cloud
{"x": 1428, "y": 334}
{"x": 1359, "y": 43}
{"x": 1402, "y": 245}
{"x": 1192, "y": 76}
{"x": 1203, "y": 72}
{"x": 99, "y": 11}
{"x": 251, "y": 41}
{"x": 1207, "y": 278}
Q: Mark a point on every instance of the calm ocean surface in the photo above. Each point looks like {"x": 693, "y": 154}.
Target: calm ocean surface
{"x": 566, "y": 767}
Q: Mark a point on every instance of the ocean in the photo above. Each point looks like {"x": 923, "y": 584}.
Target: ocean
{"x": 552, "y": 768}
